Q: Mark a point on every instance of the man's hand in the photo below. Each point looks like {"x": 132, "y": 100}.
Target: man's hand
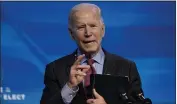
{"x": 99, "y": 99}
{"x": 77, "y": 72}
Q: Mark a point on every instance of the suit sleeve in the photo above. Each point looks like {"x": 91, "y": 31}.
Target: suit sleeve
{"x": 135, "y": 80}
{"x": 52, "y": 91}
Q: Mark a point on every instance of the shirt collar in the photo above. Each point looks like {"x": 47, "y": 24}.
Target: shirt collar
{"x": 99, "y": 57}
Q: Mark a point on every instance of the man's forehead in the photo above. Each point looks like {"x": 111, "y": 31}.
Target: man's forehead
{"x": 81, "y": 22}
{"x": 85, "y": 13}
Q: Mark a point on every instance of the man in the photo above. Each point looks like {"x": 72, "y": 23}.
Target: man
{"x": 65, "y": 77}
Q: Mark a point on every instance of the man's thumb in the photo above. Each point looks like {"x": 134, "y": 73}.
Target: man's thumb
{"x": 96, "y": 94}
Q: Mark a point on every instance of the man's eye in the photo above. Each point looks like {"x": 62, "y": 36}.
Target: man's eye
{"x": 81, "y": 27}
{"x": 92, "y": 25}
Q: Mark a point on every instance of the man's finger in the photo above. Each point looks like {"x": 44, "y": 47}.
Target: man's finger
{"x": 96, "y": 94}
{"x": 80, "y": 78}
{"x": 83, "y": 67}
{"x": 80, "y": 73}
{"x": 85, "y": 70}
{"x": 90, "y": 101}
{"x": 79, "y": 58}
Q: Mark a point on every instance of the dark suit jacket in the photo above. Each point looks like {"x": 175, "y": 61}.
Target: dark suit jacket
{"x": 57, "y": 74}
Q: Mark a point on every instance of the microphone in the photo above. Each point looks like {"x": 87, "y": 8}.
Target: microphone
{"x": 143, "y": 99}
{"x": 139, "y": 97}
{"x": 124, "y": 97}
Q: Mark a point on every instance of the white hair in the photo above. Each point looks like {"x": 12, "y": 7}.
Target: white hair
{"x": 79, "y": 7}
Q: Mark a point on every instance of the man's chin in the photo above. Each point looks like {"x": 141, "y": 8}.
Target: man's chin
{"x": 90, "y": 50}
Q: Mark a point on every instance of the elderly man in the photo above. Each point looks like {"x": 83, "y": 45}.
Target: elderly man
{"x": 66, "y": 78}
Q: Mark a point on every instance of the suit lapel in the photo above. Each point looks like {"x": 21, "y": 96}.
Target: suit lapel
{"x": 71, "y": 59}
{"x": 109, "y": 64}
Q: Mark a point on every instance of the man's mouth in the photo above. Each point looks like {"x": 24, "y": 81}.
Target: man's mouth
{"x": 86, "y": 42}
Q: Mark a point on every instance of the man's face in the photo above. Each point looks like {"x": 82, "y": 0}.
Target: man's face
{"x": 87, "y": 31}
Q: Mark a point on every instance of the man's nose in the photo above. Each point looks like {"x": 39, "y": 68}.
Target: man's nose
{"x": 88, "y": 31}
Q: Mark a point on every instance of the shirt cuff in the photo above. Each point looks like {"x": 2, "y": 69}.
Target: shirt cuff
{"x": 68, "y": 93}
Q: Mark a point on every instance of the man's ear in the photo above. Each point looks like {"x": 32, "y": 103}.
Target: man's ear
{"x": 71, "y": 33}
{"x": 103, "y": 30}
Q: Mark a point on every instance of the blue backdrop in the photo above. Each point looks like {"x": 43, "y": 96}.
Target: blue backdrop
{"x": 35, "y": 33}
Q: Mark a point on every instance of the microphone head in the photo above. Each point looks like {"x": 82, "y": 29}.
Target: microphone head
{"x": 141, "y": 96}
{"x": 124, "y": 97}
{"x": 137, "y": 94}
